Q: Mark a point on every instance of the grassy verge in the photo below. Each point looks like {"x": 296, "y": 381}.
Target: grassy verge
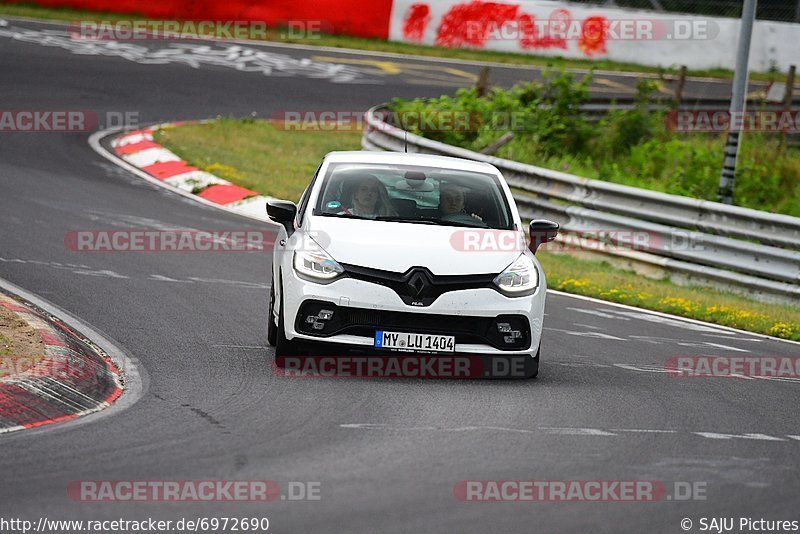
{"x": 601, "y": 280}
{"x": 377, "y": 45}
{"x": 255, "y": 154}
{"x": 21, "y": 347}
{"x": 280, "y": 163}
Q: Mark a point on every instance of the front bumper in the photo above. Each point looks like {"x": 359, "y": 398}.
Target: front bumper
{"x": 470, "y": 315}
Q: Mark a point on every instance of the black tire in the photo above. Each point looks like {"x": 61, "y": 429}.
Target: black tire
{"x": 513, "y": 367}
{"x": 272, "y": 328}
{"x": 283, "y": 347}
{"x": 532, "y": 365}
{"x": 533, "y": 371}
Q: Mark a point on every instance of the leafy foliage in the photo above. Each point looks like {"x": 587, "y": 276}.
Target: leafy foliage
{"x": 628, "y": 146}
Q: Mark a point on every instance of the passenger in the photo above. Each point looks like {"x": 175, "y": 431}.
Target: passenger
{"x": 452, "y": 199}
{"x": 369, "y": 199}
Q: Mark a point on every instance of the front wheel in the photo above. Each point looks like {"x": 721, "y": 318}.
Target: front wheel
{"x": 533, "y": 365}
{"x": 283, "y": 346}
{"x": 272, "y": 328}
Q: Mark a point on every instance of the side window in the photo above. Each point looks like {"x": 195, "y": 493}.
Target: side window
{"x": 301, "y": 211}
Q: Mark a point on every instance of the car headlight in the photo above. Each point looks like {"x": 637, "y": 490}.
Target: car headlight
{"x": 519, "y": 278}
{"x": 311, "y": 261}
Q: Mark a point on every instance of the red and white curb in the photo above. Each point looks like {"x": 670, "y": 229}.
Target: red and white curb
{"x": 139, "y": 150}
{"x": 73, "y": 378}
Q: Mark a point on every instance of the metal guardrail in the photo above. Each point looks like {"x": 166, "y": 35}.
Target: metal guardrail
{"x": 728, "y": 243}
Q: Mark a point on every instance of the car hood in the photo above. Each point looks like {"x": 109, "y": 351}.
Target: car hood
{"x": 396, "y": 246}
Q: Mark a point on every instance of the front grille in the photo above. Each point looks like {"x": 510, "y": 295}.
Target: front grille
{"x": 364, "y": 322}
{"x": 418, "y": 286}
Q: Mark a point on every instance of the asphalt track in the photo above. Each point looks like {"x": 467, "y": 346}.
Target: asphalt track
{"x": 387, "y": 452}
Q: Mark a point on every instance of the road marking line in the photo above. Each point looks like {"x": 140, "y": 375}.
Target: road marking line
{"x": 573, "y": 431}
{"x": 598, "y": 335}
{"x": 644, "y": 430}
{"x": 566, "y": 431}
{"x": 162, "y": 278}
{"x": 726, "y": 347}
{"x": 259, "y": 347}
{"x": 756, "y": 436}
{"x": 644, "y": 368}
{"x": 728, "y": 337}
{"x": 599, "y": 313}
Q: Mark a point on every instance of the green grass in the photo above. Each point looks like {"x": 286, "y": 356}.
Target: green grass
{"x": 377, "y": 45}
{"x": 280, "y": 163}
{"x": 57, "y": 13}
{"x": 255, "y": 154}
{"x": 601, "y": 280}
{"x": 768, "y": 176}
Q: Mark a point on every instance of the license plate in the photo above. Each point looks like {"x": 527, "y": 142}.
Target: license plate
{"x": 414, "y": 342}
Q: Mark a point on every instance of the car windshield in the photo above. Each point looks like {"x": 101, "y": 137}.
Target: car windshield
{"x": 413, "y": 194}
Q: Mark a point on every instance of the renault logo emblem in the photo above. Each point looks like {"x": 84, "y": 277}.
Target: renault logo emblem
{"x": 417, "y": 284}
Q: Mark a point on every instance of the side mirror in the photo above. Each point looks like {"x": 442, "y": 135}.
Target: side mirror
{"x": 282, "y": 212}
{"x": 542, "y": 231}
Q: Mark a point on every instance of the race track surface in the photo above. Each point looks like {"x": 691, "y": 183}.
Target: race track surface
{"x": 387, "y": 452}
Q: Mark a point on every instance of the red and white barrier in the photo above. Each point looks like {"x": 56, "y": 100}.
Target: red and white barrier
{"x": 548, "y": 28}
{"x": 345, "y": 17}
{"x": 590, "y": 32}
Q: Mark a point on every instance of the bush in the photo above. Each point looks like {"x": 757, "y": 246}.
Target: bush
{"x": 632, "y": 146}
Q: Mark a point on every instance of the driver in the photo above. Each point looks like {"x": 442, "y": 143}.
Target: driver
{"x": 452, "y": 199}
{"x": 369, "y": 199}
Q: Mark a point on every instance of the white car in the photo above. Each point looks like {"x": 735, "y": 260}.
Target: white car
{"x": 407, "y": 255}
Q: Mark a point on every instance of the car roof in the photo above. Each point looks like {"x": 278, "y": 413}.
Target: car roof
{"x": 411, "y": 158}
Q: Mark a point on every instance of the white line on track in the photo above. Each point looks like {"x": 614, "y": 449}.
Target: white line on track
{"x": 574, "y": 431}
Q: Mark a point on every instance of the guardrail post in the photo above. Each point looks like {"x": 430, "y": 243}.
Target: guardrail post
{"x": 787, "y": 98}
{"x": 679, "y": 86}
{"x": 789, "y": 91}
{"x": 482, "y": 85}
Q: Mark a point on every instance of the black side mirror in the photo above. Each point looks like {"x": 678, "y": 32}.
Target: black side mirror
{"x": 542, "y": 231}
{"x": 282, "y": 212}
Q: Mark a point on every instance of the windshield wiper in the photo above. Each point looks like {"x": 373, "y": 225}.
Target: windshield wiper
{"x": 415, "y": 220}
{"x": 437, "y": 222}
{"x": 343, "y": 216}
{"x": 445, "y": 222}
{"x": 412, "y": 220}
